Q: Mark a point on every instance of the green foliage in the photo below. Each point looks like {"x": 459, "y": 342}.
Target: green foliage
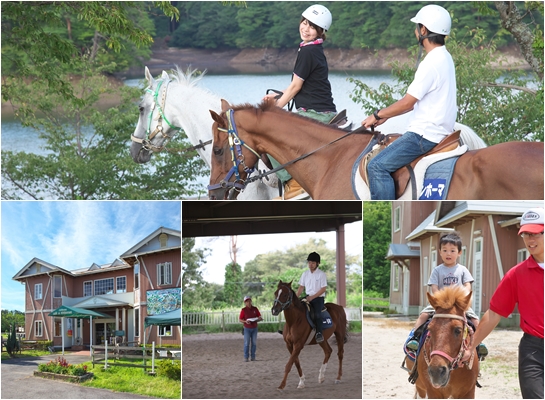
{"x": 232, "y": 289}
{"x": 10, "y": 318}
{"x": 170, "y": 369}
{"x": 12, "y": 345}
{"x": 497, "y": 113}
{"x": 61, "y": 366}
{"x": 376, "y": 239}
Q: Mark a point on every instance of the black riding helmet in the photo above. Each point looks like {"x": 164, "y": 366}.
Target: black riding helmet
{"x": 314, "y": 257}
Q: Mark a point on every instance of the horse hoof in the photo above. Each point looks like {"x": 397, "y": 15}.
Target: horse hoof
{"x": 337, "y": 381}
{"x": 300, "y": 386}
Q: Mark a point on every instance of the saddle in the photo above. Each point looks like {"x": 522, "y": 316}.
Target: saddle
{"x": 327, "y": 322}
{"x": 404, "y": 174}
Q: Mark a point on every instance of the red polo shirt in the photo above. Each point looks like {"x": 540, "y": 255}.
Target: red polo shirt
{"x": 522, "y": 285}
{"x": 246, "y": 313}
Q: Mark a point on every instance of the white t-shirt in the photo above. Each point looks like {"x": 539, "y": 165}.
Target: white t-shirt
{"x": 434, "y": 86}
{"x": 313, "y": 281}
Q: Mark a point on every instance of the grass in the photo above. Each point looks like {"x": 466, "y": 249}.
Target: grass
{"x": 133, "y": 380}
{"x": 25, "y": 353}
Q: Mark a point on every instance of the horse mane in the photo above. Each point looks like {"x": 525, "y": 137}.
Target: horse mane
{"x": 188, "y": 78}
{"x": 451, "y": 296}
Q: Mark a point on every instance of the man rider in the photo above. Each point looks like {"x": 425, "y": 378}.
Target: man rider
{"x": 432, "y": 97}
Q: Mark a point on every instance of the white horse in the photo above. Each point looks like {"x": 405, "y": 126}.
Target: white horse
{"x": 188, "y": 110}
{"x": 173, "y": 103}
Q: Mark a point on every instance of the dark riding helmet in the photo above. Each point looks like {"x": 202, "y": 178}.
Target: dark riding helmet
{"x": 314, "y": 257}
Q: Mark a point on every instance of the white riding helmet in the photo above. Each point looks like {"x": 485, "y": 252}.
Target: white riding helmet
{"x": 435, "y": 18}
{"x": 318, "y": 15}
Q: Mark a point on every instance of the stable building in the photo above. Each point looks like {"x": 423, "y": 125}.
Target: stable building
{"x": 106, "y": 303}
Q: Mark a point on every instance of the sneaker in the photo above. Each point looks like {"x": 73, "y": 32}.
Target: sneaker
{"x": 253, "y": 359}
{"x": 482, "y": 351}
{"x": 319, "y": 338}
{"x": 245, "y": 360}
{"x": 412, "y": 345}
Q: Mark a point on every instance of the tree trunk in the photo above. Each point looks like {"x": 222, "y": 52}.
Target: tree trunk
{"x": 511, "y": 19}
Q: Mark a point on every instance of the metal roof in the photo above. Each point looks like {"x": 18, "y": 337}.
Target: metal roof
{"x": 426, "y": 228}
{"x": 401, "y": 251}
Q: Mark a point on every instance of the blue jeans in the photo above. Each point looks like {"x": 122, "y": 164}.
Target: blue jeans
{"x": 401, "y": 152}
{"x": 250, "y": 334}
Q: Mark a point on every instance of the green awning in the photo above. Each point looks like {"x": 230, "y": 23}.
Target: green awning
{"x": 75, "y": 312}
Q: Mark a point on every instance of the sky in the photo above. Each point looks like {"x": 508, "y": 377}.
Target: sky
{"x": 74, "y": 234}
{"x": 252, "y": 245}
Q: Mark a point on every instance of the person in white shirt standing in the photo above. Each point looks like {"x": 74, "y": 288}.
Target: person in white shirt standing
{"x": 314, "y": 282}
{"x": 432, "y": 98}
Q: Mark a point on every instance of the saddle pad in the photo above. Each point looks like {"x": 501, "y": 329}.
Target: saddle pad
{"x": 437, "y": 179}
{"x": 327, "y": 322}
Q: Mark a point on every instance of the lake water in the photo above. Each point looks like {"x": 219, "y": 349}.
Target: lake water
{"x": 240, "y": 88}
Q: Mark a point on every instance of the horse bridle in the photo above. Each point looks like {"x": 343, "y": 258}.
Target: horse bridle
{"x": 146, "y": 141}
{"x": 237, "y": 158}
{"x": 467, "y": 339}
{"x": 287, "y": 303}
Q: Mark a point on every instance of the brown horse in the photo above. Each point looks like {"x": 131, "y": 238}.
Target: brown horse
{"x": 297, "y": 330}
{"x": 441, "y": 372}
{"x": 484, "y": 174}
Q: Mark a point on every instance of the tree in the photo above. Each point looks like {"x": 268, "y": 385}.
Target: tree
{"x": 196, "y": 293}
{"x": 10, "y": 318}
{"x": 232, "y": 288}
{"x": 376, "y": 239}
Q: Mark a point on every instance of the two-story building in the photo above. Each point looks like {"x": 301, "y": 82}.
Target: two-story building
{"x": 490, "y": 247}
{"x": 145, "y": 280}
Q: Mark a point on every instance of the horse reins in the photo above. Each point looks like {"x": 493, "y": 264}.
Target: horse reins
{"x": 236, "y": 144}
{"x": 467, "y": 339}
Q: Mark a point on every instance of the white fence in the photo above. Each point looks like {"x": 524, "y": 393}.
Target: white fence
{"x": 223, "y": 318}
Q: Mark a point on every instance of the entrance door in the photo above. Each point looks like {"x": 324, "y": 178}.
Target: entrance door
{"x": 477, "y": 274}
{"x": 104, "y": 329}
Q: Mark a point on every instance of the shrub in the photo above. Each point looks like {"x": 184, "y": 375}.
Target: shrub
{"x": 170, "y": 369}
{"x": 61, "y": 366}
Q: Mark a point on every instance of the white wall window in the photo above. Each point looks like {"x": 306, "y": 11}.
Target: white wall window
{"x": 164, "y": 330}
{"x": 38, "y": 328}
{"x": 104, "y": 286}
{"x": 87, "y": 288}
{"x": 57, "y": 286}
{"x": 395, "y": 278}
{"x": 121, "y": 284}
{"x": 38, "y": 291}
{"x": 463, "y": 257}
{"x": 397, "y": 219}
{"x": 136, "y": 275}
{"x": 164, "y": 274}
{"x": 522, "y": 255}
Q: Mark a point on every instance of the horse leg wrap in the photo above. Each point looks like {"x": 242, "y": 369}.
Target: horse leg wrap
{"x": 301, "y": 382}
{"x": 321, "y": 377}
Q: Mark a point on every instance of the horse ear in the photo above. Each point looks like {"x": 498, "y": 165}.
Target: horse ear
{"x": 289, "y": 284}
{"x": 431, "y": 299}
{"x": 165, "y": 76}
{"x": 218, "y": 119}
{"x": 148, "y": 76}
{"x": 225, "y": 105}
{"x": 464, "y": 303}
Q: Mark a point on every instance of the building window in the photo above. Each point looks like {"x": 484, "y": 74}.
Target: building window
{"x": 137, "y": 322}
{"x": 463, "y": 257}
{"x": 396, "y": 278}
{"x": 164, "y": 274}
{"x": 38, "y": 291}
{"x": 397, "y": 219}
{"x": 38, "y": 328}
{"x": 58, "y": 326}
{"x": 87, "y": 288}
{"x": 163, "y": 238}
{"x": 164, "y": 330}
{"x": 104, "y": 286}
{"x": 136, "y": 275}
{"x": 522, "y": 255}
{"x": 121, "y": 284}
{"x": 57, "y": 286}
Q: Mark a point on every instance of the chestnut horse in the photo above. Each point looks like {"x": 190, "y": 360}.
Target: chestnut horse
{"x": 484, "y": 174}
{"x": 297, "y": 330}
{"x": 441, "y": 372}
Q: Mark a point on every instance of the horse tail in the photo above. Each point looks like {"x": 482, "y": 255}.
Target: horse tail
{"x": 469, "y": 137}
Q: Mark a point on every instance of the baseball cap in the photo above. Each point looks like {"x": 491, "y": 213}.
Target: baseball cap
{"x": 532, "y": 221}
{"x": 247, "y": 298}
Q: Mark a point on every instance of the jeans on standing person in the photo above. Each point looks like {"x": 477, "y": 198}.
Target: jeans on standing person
{"x": 401, "y": 152}
{"x": 317, "y": 307}
{"x": 250, "y": 334}
{"x": 531, "y": 367}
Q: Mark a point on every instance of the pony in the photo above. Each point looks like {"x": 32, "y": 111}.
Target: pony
{"x": 187, "y": 110}
{"x": 297, "y": 331}
{"x": 441, "y": 372}
{"x": 322, "y": 159}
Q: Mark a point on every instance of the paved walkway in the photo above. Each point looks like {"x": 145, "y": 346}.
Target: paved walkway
{"x": 18, "y": 382}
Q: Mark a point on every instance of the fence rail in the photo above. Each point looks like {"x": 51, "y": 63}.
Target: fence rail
{"x": 223, "y": 318}
{"x": 376, "y": 299}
